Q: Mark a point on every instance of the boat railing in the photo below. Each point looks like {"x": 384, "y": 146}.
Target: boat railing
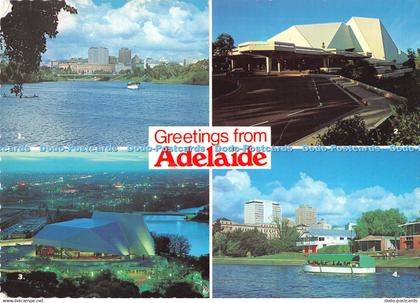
{"x": 334, "y": 264}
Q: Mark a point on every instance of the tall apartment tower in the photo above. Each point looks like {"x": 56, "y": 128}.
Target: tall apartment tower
{"x": 124, "y": 56}
{"x": 260, "y": 212}
{"x": 306, "y": 215}
{"x": 98, "y": 55}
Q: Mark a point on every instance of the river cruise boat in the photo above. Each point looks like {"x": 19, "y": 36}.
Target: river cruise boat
{"x": 339, "y": 264}
{"x": 133, "y": 85}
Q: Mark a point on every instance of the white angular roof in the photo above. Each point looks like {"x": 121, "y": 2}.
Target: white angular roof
{"x": 374, "y": 38}
{"x": 360, "y": 35}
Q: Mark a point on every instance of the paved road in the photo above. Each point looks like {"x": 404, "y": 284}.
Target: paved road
{"x": 378, "y": 109}
{"x": 294, "y": 106}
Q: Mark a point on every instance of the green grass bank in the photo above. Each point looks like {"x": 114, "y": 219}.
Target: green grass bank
{"x": 299, "y": 259}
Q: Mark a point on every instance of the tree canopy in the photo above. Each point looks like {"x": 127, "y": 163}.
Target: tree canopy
{"x": 221, "y": 47}
{"x": 223, "y": 44}
{"x": 407, "y": 131}
{"x": 360, "y": 70}
{"x": 380, "y": 222}
{"x": 255, "y": 243}
{"x": 45, "y": 284}
{"x": 197, "y": 73}
{"x": 23, "y": 35}
{"x": 351, "y": 131}
{"x": 241, "y": 243}
{"x": 402, "y": 129}
{"x": 175, "y": 245}
{"x": 288, "y": 236}
{"x": 411, "y": 62}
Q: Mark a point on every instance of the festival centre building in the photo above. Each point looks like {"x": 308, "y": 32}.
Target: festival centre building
{"x": 320, "y": 46}
{"x": 106, "y": 235}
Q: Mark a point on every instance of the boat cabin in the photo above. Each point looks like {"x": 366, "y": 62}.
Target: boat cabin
{"x": 347, "y": 260}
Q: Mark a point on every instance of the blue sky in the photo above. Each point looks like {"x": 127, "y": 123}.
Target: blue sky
{"x": 253, "y": 20}
{"x": 340, "y": 184}
{"x": 175, "y": 29}
{"x": 202, "y": 4}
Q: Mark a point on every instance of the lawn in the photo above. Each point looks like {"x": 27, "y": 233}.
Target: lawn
{"x": 335, "y": 249}
{"x": 299, "y": 259}
{"x": 399, "y": 262}
{"x": 278, "y": 259}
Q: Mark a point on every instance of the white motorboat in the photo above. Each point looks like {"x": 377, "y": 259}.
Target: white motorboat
{"x": 133, "y": 85}
{"x": 340, "y": 264}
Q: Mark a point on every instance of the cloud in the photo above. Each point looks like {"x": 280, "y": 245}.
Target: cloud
{"x": 230, "y": 192}
{"x": 5, "y": 8}
{"x": 333, "y": 204}
{"x": 157, "y": 28}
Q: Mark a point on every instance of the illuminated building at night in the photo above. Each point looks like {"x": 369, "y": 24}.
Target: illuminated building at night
{"x": 106, "y": 235}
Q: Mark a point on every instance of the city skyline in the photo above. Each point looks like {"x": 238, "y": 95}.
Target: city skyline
{"x": 160, "y": 29}
{"x": 85, "y": 56}
{"x": 334, "y": 183}
{"x": 261, "y": 212}
{"x": 91, "y": 57}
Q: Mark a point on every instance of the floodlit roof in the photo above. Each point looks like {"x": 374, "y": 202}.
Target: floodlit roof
{"x": 82, "y": 223}
{"x": 113, "y": 233}
{"x": 140, "y": 240}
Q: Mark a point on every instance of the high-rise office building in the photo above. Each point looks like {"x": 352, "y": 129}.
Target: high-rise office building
{"x": 113, "y": 60}
{"x": 98, "y": 55}
{"x": 261, "y": 212}
{"x": 124, "y": 56}
{"x": 306, "y": 215}
{"x": 322, "y": 224}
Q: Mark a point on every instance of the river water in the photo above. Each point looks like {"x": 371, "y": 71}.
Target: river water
{"x": 254, "y": 281}
{"x": 196, "y": 233}
{"x": 96, "y": 112}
